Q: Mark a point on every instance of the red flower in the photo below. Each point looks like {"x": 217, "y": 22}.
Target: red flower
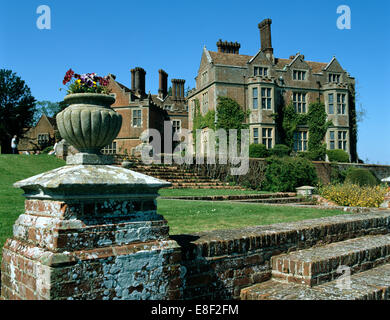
{"x": 68, "y": 76}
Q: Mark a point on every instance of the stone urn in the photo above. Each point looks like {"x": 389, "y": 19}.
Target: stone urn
{"x": 89, "y": 124}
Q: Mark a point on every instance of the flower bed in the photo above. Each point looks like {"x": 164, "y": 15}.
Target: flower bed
{"x": 353, "y": 195}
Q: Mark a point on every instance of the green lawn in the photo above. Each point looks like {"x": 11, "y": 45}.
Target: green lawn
{"x": 14, "y": 168}
{"x": 196, "y": 216}
{"x": 182, "y": 216}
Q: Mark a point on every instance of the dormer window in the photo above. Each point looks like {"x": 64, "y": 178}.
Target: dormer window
{"x": 299, "y": 75}
{"x": 334, "y": 78}
{"x": 167, "y": 107}
{"x": 260, "y": 71}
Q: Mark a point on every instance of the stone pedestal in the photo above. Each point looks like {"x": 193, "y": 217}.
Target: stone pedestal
{"x": 90, "y": 232}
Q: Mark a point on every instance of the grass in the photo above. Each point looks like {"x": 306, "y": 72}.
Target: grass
{"x": 182, "y": 216}
{"x": 14, "y": 168}
{"x": 197, "y": 216}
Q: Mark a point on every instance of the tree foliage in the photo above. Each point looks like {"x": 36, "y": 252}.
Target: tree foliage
{"x": 318, "y": 126}
{"x": 230, "y": 115}
{"x": 17, "y": 107}
{"x": 314, "y": 120}
{"x": 50, "y": 109}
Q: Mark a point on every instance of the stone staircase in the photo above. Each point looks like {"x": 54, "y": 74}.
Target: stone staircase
{"x": 319, "y": 273}
{"x": 178, "y": 176}
{"x": 290, "y": 198}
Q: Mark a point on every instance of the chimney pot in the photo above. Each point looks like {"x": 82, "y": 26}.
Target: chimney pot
{"x": 265, "y": 36}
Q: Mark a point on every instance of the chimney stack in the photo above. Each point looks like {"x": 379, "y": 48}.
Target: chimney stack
{"x": 178, "y": 89}
{"x": 265, "y": 37}
{"x": 163, "y": 84}
{"x": 138, "y": 80}
{"x": 228, "y": 47}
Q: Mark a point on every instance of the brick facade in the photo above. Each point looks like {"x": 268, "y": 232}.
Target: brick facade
{"x": 36, "y": 138}
{"x": 155, "y": 109}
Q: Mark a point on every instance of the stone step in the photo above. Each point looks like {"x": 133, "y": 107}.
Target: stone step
{"x": 276, "y": 200}
{"x": 373, "y": 284}
{"x": 318, "y": 265}
{"x": 178, "y": 174}
{"x": 204, "y": 182}
{"x": 232, "y": 197}
{"x": 193, "y": 184}
{"x": 189, "y": 179}
{"x": 208, "y": 187}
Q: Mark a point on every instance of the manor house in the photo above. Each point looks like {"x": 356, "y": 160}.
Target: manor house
{"x": 141, "y": 111}
{"x": 263, "y": 84}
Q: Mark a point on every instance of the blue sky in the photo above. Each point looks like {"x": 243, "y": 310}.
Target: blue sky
{"x": 115, "y": 36}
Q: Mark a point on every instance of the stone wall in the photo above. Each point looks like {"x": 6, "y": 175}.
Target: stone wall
{"x": 218, "y": 264}
{"x": 324, "y": 169}
{"x": 257, "y": 169}
{"x": 208, "y": 265}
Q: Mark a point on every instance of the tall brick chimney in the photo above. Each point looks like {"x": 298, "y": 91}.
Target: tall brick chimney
{"x": 163, "y": 84}
{"x": 138, "y": 80}
{"x": 228, "y": 47}
{"x": 265, "y": 37}
{"x": 178, "y": 89}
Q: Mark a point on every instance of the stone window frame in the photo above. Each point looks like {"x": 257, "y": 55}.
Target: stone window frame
{"x": 331, "y": 104}
{"x": 267, "y": 139}
{"x": 258, "y": 68}
{"x": 132, "y": 118}
{"x": 343, "y": 104}
{"x": 300, "y": 104}
{"x": 255, "y": 99}
{"x": 332, "y": 76}
{"x": 343, "y": 141}
{"x": 110, "y": 149}
{"x": 255, "y": 139}
{"x": 332, "y": 141}
{"x": 301, "y": 142}
{"x": 303, "y": 73}
{"x": 173, "y": 125}
{"x": 45, "y": 140}
{"x": 266, "y": 98}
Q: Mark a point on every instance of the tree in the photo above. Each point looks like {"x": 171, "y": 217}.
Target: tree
{"x": 17, "y": 108}
{"x": 50, "y": 109}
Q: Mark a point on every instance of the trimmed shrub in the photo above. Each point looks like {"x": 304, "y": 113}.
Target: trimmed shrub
{"x": 258, "y": 151}
{"x": 337, "y": 155}
{"x": 287, "y": 173}
{"x": 361, "y": 177}
{"x": 315, "y": 155}
{"x": 47, "y": 149}
{"x": 280, "y": 150}
{"x": 353, "y": 195}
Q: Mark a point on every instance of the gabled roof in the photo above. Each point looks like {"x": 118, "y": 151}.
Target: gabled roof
{"x": 317, "y": 67}
{"x": 241, "y": 60}
{"x": 52, "y": 121}
{"x": 229, "y": 58}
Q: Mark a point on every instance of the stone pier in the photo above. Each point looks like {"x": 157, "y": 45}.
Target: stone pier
{"x": 90, "y": 232}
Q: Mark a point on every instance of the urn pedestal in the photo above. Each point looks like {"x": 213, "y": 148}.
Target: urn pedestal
{"x": 89, "y": 230}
